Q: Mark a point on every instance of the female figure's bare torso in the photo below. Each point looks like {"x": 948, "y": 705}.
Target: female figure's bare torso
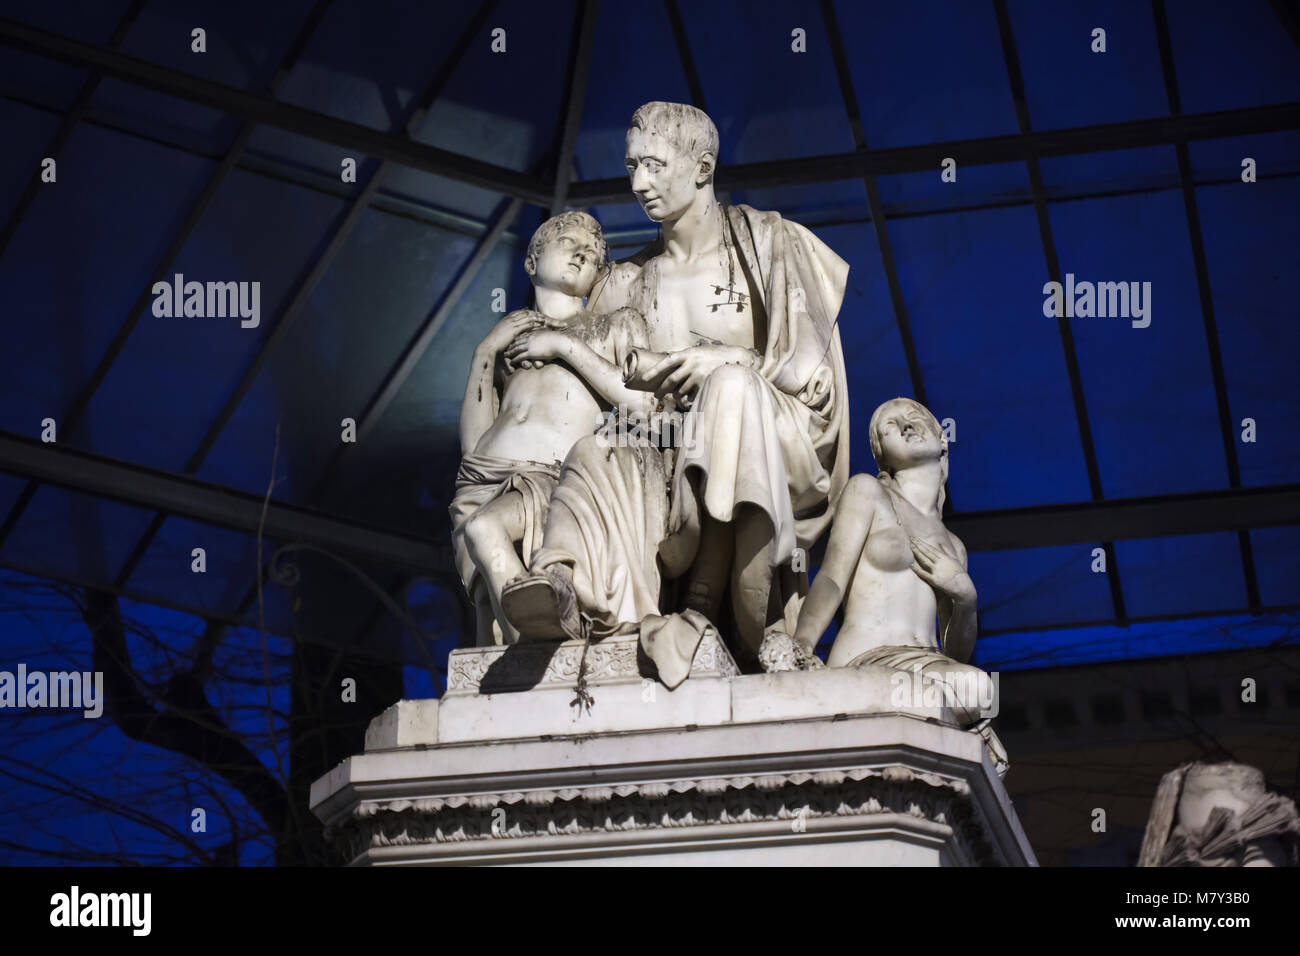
{"x": 886, "y": 603}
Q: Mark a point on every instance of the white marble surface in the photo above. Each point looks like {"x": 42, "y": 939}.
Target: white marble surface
{"x": 405, "y": 724}
{"x": 625, "y": 700}
{"x": 793, "y": 768}
{"x": 883, "y": 789}
{"x": 797, "y": 694}
{"x": 617, "y": 708}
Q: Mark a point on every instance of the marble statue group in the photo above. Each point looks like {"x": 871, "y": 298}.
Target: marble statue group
{"x": 653, "y": 452}
{"x": 655, "y": 447}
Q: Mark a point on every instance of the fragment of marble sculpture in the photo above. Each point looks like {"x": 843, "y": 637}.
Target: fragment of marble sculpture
{"x": 646, "y": 539}
{"x": 895, "y": 569}
{"x": 1219, "y": 815}
{"x": 540, "y": 381}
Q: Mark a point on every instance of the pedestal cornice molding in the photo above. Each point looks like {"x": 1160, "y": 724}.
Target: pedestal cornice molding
{"x": 929, "y": 806}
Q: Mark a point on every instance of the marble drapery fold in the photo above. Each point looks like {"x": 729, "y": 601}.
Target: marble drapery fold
{"x": 608, "y": 516}
{"x": 778, "y": 437}
{"x": 481, "y": 480}
{"x": 775, "y": 437}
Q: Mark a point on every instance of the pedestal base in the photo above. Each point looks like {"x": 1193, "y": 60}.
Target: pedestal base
{"x": 804, "y": 768}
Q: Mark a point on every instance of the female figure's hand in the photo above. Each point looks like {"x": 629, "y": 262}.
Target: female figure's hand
{"x": 941, "y": 571}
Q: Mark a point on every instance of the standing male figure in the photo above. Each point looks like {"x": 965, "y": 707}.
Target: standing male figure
{"x": 744, "y": 303}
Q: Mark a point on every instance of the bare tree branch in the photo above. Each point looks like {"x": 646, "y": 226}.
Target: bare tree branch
{"x": 188, "y": 724}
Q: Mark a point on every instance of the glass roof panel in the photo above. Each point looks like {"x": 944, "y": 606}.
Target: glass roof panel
{"x": 1251, "y": 239}
{"x": 244, "y": 44}
{"x": 389, "y": 277}
{"x": 1275, "y": 154}
{"x": 1083, "y": 645}
{"x": 244, "y": 41}
{"x": 810, "y": 203}
{"x": 909, "y": 194}
{"x": 506, "y": 108}
{"x": 81, "y": 255}
{"x": 768, "y": 100}
{"x": 1067, "y": 84}
{"x": 1232, "y": 56}
{"x": 137, "y": 108}
{"x": 40, "y": 81}
{"x": 441, "y": 193}
{"x": 369, "y": 60}
{"x": 255, "y": 230}
{"x": 1012, "y": 404}
{"x": 27, "y": 132}
{"x": 919, "y": 84}
{"x": 91, "y": 21}
{"x": 304, "y": 155}
{"x": 873, "y": 350}
{"x": 1277, "y": 564}
{"x": 1187, "y": 575}
{"x": 1149, "y": 390}
{"x": 1111, "y": 171}
{"x": 614, "y": 91}
{"x": 46, "y": 80}
{"x": 74, "y": 535}
{"x": 1038, "y": 587}
{"x": 414, "y": 449}
{"x": 168, "y": 566}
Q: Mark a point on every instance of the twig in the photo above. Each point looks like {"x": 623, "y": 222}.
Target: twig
{"x": 261, "y": 613}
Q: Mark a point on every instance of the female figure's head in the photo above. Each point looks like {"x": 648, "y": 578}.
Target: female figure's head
{"x": 904, "y": 435}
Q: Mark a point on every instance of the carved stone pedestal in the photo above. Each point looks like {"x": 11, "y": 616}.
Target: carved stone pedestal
{"x": 801, "y": 768}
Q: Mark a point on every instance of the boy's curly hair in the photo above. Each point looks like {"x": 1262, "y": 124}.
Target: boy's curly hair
{"x": 557, "y": 224}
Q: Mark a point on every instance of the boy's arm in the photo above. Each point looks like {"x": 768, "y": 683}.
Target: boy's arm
{"x": 604, "y": 376}
{"x": 624, "y": 332}
{"x": 548, "y": 345}
{"x": 479, "y": 409}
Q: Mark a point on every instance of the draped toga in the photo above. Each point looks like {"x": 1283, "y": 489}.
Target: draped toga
{"x": 775, "y": 438}
{"x": 483, "y": 479}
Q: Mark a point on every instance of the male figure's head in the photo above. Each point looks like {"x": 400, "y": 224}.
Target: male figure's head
{"x": 566, "y": 253}
{"x": 672, "y": 152}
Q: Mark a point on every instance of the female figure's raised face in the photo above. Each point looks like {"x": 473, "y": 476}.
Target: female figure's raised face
{"x": 904, "y": 433}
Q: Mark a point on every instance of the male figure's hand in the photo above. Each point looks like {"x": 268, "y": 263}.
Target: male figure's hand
{"x": 688, "y": 368}
{"x": 511, "y": 327}
{"x": 537, "y": 347}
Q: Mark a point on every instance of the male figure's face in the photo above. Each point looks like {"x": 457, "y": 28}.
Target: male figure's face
{"x": 664, "y": 178}
{"x": 568, "y": 263}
